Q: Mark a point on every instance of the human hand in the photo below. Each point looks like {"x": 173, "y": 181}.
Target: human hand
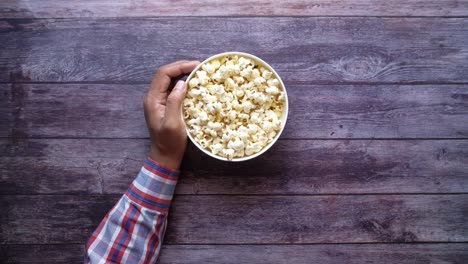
{"x": 162, "y": 114}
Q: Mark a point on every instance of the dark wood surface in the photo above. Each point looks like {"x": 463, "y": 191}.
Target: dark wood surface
{"x": 372, "y": 166}
{"x": 303, "y": 50}
{"x": 129, "y": 8}
{"x": 316, "y": 111}
{"x": 238, "y": 219}
{"x": 257, "y": 254}
{"x": 107, "y": 166}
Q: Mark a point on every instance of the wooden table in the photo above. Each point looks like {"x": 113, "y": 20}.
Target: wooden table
{"x": 372, "y": 166}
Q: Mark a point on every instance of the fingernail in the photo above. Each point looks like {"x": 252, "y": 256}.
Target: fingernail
{"x": 179, "y": 85}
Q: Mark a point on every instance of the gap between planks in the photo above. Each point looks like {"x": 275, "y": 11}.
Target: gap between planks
{"x": 285, "y": 138}
{"x": 114, "y": 195}
{"x": 266, "y": 244}
{"x": 290, "y": 83}
{"x": 223, "y": 17}
{"x": 210, "y": 8}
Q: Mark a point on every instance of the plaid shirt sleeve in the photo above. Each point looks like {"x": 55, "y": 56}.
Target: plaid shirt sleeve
{"x": 132, "y": 231}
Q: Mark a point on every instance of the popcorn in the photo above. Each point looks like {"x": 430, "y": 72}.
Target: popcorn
{"x": 217, "y": 77}
{"x": 266, "y": 74}
{"x": 255, "y": 73}
{"x": 243, "y": 116}
{"x": 223, "y": 72}
{"x": 253, "y": 129}
{"x": 215, "y": 125}
{"x": 215, "y": 148}
{"x": 259, "y": 98}
{"x": 255, "y": 118}
{"x": 194, "y": 82}
{"x": 215, "y": 64}
{"x": 247, "y": 106}
{"x": 259, "y": 80}
{"x": 239, "y": 79}
{"x": 203, "y": 77}
{"x": 236, "y": 144}
{"x": 243, "y": 62}
{"x": 230, "y": 84}
{"x": 252, "y": 148}
{"x": 208, "y": 68}
{"x": 228, "y": 153}
{"x": 239, "y": 93}
{"x": 246, "y": 73}
{"x": 273, "y": 82}
{"x": 218, "y": 89}
{"x": 272, "y": 90}
{"x": 227, "y": 136}
{"x": 234, "y": 106}
{"x": 194, "y": 92}
{"x": 232, "y": 115}
{"x": 211, "y": 108}
{"x": 281, "y": 96}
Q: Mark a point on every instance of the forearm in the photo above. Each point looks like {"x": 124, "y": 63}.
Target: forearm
{"x": 133, "y": 230}
{"x": 170, "y": 159}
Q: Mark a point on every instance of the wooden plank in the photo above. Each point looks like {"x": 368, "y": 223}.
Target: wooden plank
{"x": 303, "y": 50}
{"x": 128, "y": 8}
{"x": 316, "y": 111}
{"x": 227, "y": 219}
{"x": 226, "y": 254}
{"x": 71, "y": 110}
{"x": 324, "y": 219}
{"x": 302, "y": 254}
{"x": 82, "y": 166}
{"x": 71, "y": 253}
{"x": 51, "y": 219}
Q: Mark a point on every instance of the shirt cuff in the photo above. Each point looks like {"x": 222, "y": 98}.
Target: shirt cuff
{"x": 154, "y": 186}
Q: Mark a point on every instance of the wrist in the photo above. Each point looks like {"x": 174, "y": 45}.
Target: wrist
{"x": 169, "y": 161}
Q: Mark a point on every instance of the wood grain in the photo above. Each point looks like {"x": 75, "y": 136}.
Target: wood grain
{"x": 227, "y": 219}
{"x": 51, "y": 219}
{"x": 67, "y": 254}
{"x": 325, "y": 219}
{"x": 303, "y": 49}
{"x": 316, "y": 111}
{"x": 82, "y": 166}
{"x": 306, "y": 254}
{"x": 363, "y": 73}
{"x": 128, "y": 8}
{"x": 233, "y": 254}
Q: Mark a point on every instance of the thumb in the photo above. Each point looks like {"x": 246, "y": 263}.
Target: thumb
{"x": 174, "y": 100}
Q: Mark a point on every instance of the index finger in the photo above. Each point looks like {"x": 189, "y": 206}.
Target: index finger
{"x": 162, "y": 79}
